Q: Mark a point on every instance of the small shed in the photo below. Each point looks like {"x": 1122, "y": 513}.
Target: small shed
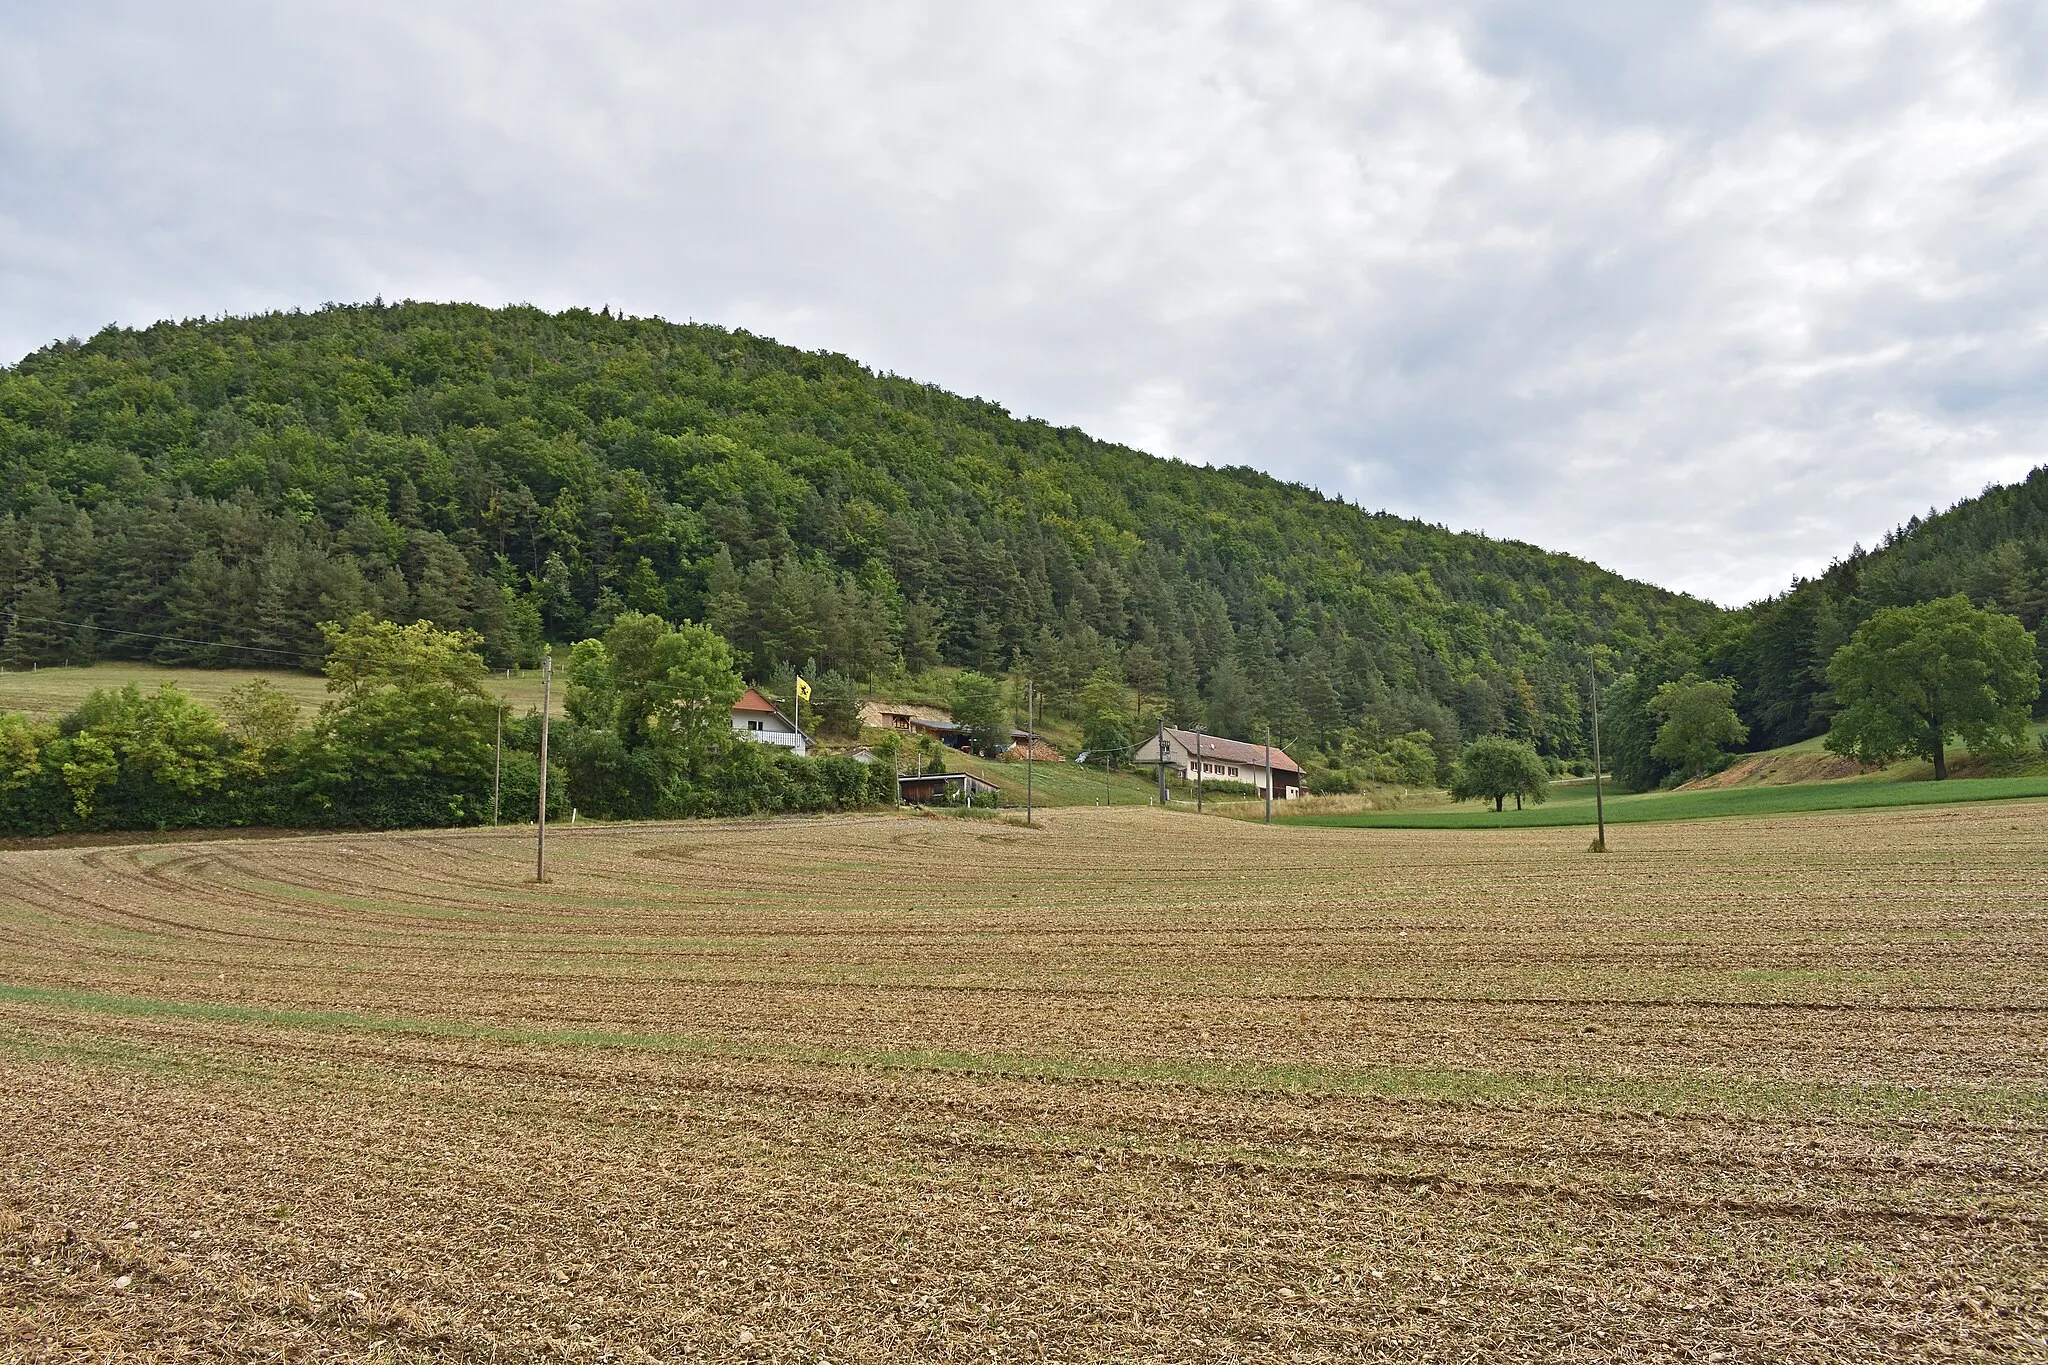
{"x": 944, "y": 789}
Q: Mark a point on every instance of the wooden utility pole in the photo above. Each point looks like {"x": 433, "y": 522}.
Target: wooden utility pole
{"x": 1159, "y": 752}
{"x": 540, "y": 841}
{"x": 498, "y": 762}
{"x": 1198, "y": 770}
{"x": 1599, "y": 806}
{"x": 1030, "y": 742}
{"x": 1269, "y": 774}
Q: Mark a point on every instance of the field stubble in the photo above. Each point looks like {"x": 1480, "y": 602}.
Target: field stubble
{"x": 1129, "y": 1086}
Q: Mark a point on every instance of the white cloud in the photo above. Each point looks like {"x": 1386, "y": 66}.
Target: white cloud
{"x": 1703, "y": 292}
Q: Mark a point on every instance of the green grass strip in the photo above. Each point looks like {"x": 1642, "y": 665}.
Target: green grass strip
{"x": 1456, "y": 1085}
{"x": 1700, "y": 805}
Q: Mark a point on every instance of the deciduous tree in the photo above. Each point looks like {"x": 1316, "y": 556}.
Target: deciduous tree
{"x": 1699, "y": 721}
{"x": 980, "y": 709}
{"x": 1912, "y": 677}
{"x": 1494, "y": 768}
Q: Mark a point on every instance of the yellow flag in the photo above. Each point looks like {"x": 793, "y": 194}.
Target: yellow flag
{"x": 803, "y": 690}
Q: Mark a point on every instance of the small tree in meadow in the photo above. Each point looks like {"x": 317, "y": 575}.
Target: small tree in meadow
{"x": 1494, "y": 768}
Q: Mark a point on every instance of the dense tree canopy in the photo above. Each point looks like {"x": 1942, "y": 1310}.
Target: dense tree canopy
{"x": 1912, "y": 677}
{"x": 1698, "y": 721}
{"x": 193, "y": 491}
{"x": 1493, "y": 768}
{"x": 980, "y": 708}
{"x": 1991, "y": 549}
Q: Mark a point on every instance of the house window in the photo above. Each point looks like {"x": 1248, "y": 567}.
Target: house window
{"x": 756, "y": 725}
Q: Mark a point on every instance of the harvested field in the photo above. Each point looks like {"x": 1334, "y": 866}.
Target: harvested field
{"x": 1130, "y": 1086}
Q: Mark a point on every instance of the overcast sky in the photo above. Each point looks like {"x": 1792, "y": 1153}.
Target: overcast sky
{"x": 1703, "y": 292}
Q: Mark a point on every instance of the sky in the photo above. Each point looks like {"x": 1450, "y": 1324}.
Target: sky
{"x": 1706, "y": 293}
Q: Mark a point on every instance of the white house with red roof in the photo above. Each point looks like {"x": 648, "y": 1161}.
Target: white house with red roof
{"x": 757, "y": 718}
{"x": 1222, "y": 760}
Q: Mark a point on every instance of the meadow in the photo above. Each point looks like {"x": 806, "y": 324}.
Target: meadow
{"x": 1129, "y": 1085}
{"x": 48, "y": 693}
{"x": 1573, "y": 804}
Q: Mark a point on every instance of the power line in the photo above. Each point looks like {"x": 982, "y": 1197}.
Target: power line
{"x": 151, "y": 635}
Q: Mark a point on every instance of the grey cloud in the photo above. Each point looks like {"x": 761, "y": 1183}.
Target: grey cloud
{"x": 1705, "y": 292}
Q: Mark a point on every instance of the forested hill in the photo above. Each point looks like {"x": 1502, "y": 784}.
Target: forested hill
{"x": 1992, "y": 548}
{"x": 235, "y": 482}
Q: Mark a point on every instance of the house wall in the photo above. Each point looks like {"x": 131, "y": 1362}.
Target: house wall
{"x": 773, "y": 730}
{"x": 1214, "y": 770}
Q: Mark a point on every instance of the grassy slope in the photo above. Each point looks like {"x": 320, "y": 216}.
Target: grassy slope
{"x": 48, "y": 693}
{"x": 1907, "y": 770}
{"x": 1055, "y": 784}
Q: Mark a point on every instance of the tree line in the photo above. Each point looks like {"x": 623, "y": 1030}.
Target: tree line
{"x": 1991, "y": 551}
{"x": 408, "y": 737}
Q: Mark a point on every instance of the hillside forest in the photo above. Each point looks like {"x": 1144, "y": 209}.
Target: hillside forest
{"x": 1991, "y": 549}
{"x": 210, "y": 492}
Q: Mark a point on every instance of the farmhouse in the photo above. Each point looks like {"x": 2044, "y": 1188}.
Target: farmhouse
{"x": 943, "y": 789}
{"x": 754, "y": 716}
{"x": 912, "y": 719}
{"x": 1222, "y": 760}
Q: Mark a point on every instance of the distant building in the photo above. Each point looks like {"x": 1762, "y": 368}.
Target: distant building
{"x": 943, "y": 789}
{"x": 755, "y": 717}
{"x": 1223, "y": 760}
{"x": 902, "y": 715}
{"x": 912, "y": 719}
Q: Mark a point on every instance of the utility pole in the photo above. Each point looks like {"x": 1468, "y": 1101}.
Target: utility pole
{"x": 1599, "y": 806}
{"x": 1030, "y": 742}
{"x": 1198, "y": 770}
{"x": 1269, "y": 774}
{"x": 1160, "y": 753}
{"x": 498, "y": 762}
{"x": 540, "y": 841}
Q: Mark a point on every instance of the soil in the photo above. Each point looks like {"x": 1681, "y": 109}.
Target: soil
{"x": 1779, "y": 770}
{"x": 1754, "y": 1090}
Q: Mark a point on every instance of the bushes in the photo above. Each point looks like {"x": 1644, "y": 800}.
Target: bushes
{"x": 1223, "y": 786}
{"x": 761, "y": 779}
{"x": 406, "y": 740}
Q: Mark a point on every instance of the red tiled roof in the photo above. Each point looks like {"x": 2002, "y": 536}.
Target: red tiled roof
{"x": 1229, "y": 750}
{"x": 750, "y": 700}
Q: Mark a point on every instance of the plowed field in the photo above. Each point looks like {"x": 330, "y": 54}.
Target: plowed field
{"x": 1131, "y": 1086}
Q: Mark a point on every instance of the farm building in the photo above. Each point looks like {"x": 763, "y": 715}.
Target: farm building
{"x": 913, "y": 719}
{"x": 1222, "y": 760}
{"x": 943, "y": 789}
{"x": 908, "y": 717}
{"x": 754, "y": 716}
